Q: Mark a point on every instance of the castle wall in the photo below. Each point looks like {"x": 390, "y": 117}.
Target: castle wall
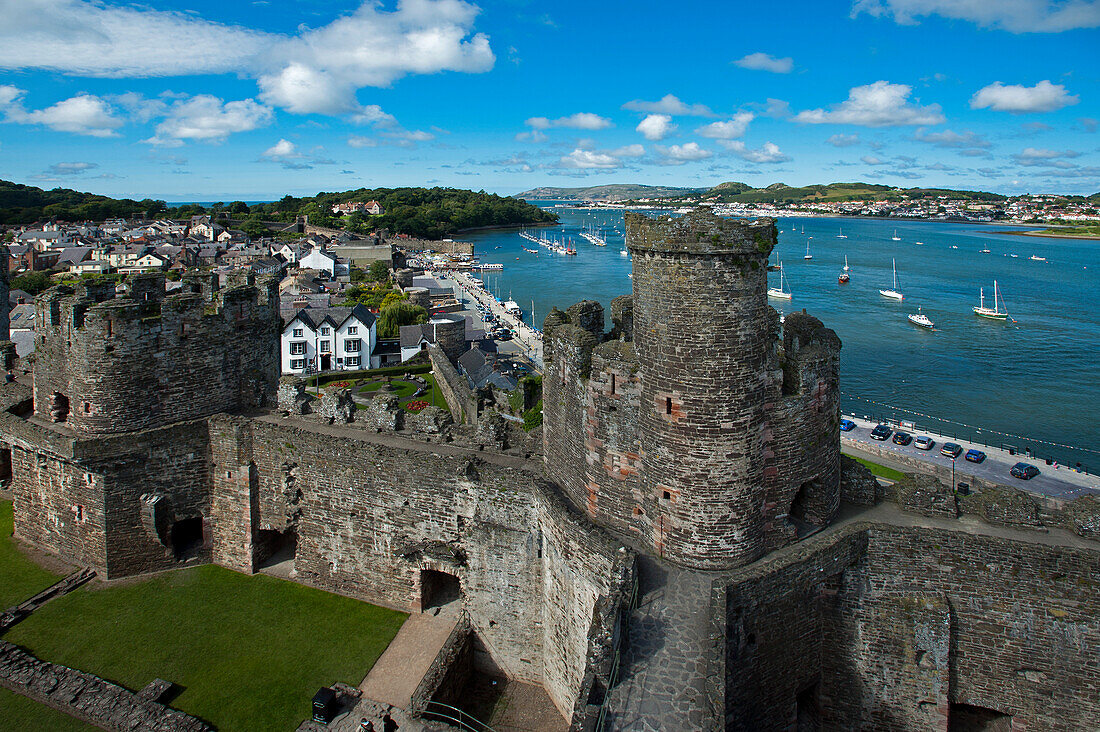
{"x": 700, "y": 302}
{"x": 108, "y": 365}
{"x": 58, "y": 506}
{"x": 884, "y": 628}
{"x": 802, "y": 431}
{"x": 615, "y": 493}
{"x": 567, "y": 352}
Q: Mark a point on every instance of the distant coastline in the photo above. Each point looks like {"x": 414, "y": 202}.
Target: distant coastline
{"x": 1048, "y": 235}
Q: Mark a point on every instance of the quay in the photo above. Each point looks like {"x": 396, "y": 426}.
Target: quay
{"x": 1054, "y": 481}
{"x": 467, "y": 290}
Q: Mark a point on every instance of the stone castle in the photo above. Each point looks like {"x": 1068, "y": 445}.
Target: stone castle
{"x": 689, "y": 551}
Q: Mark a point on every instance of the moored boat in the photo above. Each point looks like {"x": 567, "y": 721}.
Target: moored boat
{"x": 919, "y": 318}
{"x": 778, "y": 292}
{"x": 893, "y": 293}
{"x": 995, "y": 312}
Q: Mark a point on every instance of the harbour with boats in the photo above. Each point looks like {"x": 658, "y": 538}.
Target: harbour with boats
{"x": 968, "y": 374}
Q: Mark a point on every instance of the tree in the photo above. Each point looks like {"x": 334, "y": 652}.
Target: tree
{"x": 238, "y": 207}
{"x": 379, "y": 271}
{"x": 31, "y": 283}
{"x": 402, "y": 313}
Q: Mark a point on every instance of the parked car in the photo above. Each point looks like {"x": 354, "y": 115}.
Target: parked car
{"x": 975, "y": 456}
{"x": 1024, "y": 471}
{"x": 924, "y": 442}
{"x": 902, "y": 438}
{"x": 951, "y": 450}
{"x": 880, "y": 432}
{"x": 847, "y": 425}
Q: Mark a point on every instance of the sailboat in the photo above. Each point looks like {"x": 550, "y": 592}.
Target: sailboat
{"x": 774, "y": 267}
{"x": 808, "y": 255}
{"x": 895, "y": 237}
{"x": 893, "y": 294}
{"x": 844, "y": 277}
{"x": 919, "y": 318}
{"x": 841, "y": 235}
{"x": 995, "y": 312}
{"x": 846, "y": 267}
{"x": 778, "y": 292}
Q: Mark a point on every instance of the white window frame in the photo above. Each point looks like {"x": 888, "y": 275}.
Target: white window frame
{"x": 297, "y": 363}
{"x": 353, "y": 330}
{"x": 297, "y": 348}
{"x": 298, "y": 332}
{"x": 324, "y": 331}
{"x": 325, "y": 347}
{"x": 352, "y": 361}
{"x": 353, "y": 345}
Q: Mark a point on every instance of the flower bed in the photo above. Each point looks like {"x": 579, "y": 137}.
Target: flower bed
{"x": 416, "y": 405}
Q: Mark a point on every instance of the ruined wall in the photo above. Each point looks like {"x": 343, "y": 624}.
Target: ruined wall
{"x": 109, "y": 365}
{"x": 567, "y": 353}
{"x": 801, "y": 437}
{"x": 615, "y": 493}
{"x": 455, "y": 389}
{"x": 885, "y": 628}
{"x": 700, "y": 304}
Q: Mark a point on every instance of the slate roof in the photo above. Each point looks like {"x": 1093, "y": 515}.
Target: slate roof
{"x": 313, "y": 317}
{"x": 21, "y": 317}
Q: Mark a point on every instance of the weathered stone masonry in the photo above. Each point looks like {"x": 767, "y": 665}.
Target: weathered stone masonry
{"x": 697, "y": 429}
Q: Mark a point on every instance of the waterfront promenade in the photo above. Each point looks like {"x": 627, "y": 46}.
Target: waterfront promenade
{"x": 525, "y": 337}
{"x": 1054, "y": 481}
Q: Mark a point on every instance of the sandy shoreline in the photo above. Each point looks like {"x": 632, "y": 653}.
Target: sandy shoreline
{"x": 1083, "y": 237}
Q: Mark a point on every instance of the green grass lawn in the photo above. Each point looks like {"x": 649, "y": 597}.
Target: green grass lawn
{"x": 250, "y": 652}
{"x": 20, "y": 578}
{"x": 20, "y": 713}
{"x": 880, "y": 470}
{"x": 404, "y": 390}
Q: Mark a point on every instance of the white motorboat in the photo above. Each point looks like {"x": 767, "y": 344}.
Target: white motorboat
{"x": 919, "y": 318}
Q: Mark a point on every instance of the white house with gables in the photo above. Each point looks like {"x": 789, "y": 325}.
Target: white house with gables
{"x": 329, "y": 339}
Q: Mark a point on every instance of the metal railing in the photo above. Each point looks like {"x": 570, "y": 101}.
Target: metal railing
{"x": 446, "y": 713}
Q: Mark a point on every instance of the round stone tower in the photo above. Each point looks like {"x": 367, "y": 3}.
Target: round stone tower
{"x": 450, "y": 334}
{"x": 419, "y": 296}
{"x": 700, "y": 331}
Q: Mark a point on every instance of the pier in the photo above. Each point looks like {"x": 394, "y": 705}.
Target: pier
{"x": 524, "y": 336}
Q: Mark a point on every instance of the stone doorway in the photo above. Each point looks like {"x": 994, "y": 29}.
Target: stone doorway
{"x": 275, "y": 552}
{"x": 187, "y": 538}
{"x": 326, "y": 362}
{"x": 438, "y": 589}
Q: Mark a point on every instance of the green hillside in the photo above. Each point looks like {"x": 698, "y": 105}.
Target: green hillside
{"x": 612, "y": 192}
{"x": 780, "y": 192}
{"x": 430, "y": 213}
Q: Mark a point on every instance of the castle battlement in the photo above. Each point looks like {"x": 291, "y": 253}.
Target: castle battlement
{"x": 700, "y": 232}
{"x": 108, "y": 362}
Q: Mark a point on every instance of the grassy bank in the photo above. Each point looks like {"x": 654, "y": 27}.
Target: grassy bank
{"x": 880, "y": 470}
{"x": 20, "y": 578}
{"x": 20, "y": 713}
{"x": 249, "y": 651}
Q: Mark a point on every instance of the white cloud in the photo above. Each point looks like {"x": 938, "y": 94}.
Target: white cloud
{"x": 1039, "y": 157}
{"x": 578, "y": 121}
{"x": 590, "y": 160}
{"x": 1017, "y": 16}
{"x": 952, "y": 139}
{"x": 872, "y": 160}
{"x": 84, "y": 114}
{"x": 769, "y": 153}
{"x": 881, "y": 104}
{"x": 282, "y": 150}
{"x": 731, "y": 128}
{"x": 395, "y": 137}
{"x": 764, "y": 62}
{"x": 71, "y": 168}
{"x": 205, "y": 117}
{"x": 532, "y": 136}
{"x": 839, "y": 140}
{"x": 680, "y": 154}
{"x": 1019, "y": 99}
{"x": 629, "y": 151}
{"x": 669, "y": 104}
{"x": 318, "y": 70}
{"x": 656, "y": 126}
{"x": 360, "y": 141}
{"x": 776, "y": 108}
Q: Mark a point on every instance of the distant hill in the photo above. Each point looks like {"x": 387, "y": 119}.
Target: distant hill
{"x": 781, "y": 192}
{"x": 429, "y": 213}
{"x": 613, "y": 192}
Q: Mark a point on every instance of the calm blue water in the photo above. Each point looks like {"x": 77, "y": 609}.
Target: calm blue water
{"x": 1038, "y": 378}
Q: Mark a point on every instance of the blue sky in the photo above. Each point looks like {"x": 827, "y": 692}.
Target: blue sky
{"x": 203, "y": 100}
